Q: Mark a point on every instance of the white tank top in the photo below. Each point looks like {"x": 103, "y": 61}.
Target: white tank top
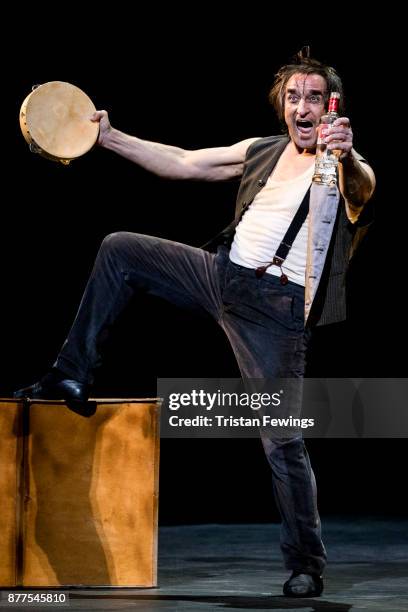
{"x": 264, "y": 224}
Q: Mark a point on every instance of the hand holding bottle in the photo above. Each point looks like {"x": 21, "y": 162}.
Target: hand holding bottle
{"x": 339, "y": 137}
{"x": 334, "y": 141}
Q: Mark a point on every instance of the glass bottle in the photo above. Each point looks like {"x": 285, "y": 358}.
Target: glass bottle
{"x": 326, "y": 160}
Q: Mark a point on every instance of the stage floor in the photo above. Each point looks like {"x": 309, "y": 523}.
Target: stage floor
{"x": 239, "y": 567}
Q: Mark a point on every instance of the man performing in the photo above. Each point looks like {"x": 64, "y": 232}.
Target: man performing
{"x": 266, "y": 309}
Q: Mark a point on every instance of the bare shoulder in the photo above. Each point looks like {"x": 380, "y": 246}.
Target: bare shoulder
{"x": 242, "y": 147}
{"x": 218, "y": 163}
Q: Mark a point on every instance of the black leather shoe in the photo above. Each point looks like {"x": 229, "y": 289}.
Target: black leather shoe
{"x": 55, "y": 387}
{"x": 303, "y": 585}
{"x": 66, "y": 389}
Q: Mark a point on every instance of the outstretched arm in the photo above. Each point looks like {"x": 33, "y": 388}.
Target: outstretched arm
{"x": 215, "y": 164}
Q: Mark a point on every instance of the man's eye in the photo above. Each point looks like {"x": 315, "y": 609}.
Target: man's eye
{"x": 293, "y": 98}
{"x": 315, "y": 99}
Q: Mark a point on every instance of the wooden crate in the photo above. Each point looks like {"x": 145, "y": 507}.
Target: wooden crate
{"x": 80, "y": 495}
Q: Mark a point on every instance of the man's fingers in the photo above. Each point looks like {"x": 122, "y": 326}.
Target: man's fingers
{"x": 345, "y": 146}
{"x": 98, "y": 115}
{"x": 339, "y": 134}
{"x": 344, "y": 121}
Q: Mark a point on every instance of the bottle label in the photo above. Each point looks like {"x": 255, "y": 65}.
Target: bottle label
{"x": 322, "y": 132}
{"x": 333, "y": 105}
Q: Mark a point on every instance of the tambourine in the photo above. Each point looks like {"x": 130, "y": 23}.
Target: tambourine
{"x": 55, "y": 119}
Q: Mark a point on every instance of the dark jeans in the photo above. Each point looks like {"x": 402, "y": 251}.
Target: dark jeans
{"x": 263, "y": 321}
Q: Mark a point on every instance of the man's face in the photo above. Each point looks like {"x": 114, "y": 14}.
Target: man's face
{"x": 304, "y": 105}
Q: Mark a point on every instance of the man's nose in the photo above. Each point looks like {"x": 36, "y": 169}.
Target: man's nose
{"x": 303, "y": 107}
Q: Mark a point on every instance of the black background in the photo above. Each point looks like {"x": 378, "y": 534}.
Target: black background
{"x": 195, "y": 80}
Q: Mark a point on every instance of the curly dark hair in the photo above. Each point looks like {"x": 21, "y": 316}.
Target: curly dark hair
{"x": 302, "y": 63}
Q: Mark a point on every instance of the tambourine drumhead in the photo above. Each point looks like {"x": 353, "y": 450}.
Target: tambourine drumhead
{"x": 55, "y": 120}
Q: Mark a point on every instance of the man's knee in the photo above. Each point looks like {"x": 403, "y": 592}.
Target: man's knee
{"x": 127, "y": 250}
{"x": 115, "y": 241}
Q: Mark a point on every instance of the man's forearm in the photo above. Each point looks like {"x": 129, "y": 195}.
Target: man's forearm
{"x": 356, "y": 183}
{"x": 163, "y": 160}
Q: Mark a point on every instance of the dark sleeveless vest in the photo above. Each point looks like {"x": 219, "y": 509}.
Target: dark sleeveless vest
{"x": 329, "y": 304}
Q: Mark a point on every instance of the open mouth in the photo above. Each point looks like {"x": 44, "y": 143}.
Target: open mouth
{"x": 304, "y": 127}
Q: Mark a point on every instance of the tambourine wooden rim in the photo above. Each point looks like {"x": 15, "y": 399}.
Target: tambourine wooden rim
{"x": 55, "y": 121}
